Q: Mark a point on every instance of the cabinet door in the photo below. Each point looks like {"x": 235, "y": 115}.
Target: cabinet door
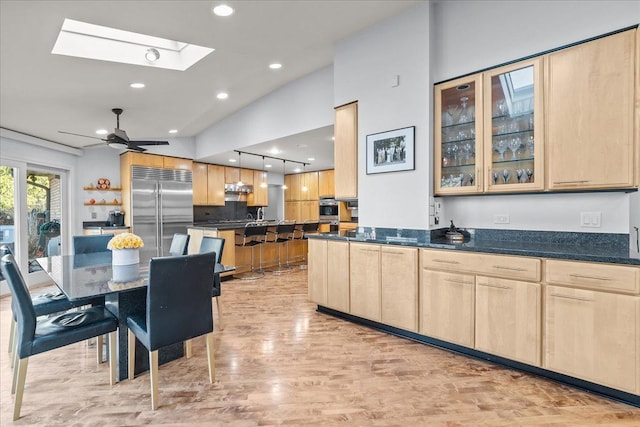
{"x": 177, "y": 163}
{"x": 317, "y": 271}
{"x": 458, "y": 137}
{"x": 260, "y": 194}
{"x": 309, "y": 210}
{"x": 364, "y": 279}
{"x": 594, "y": 336}
{"x": 399, "y": 291}
{"x": 215, "y": 185}
{"x": 140, "y": 159}
{"x": 345, "y": 149}
{"x": 200, "y": 174}
{"x": 590, "y": 108}
{"x": 287, "y": 191}
{"x": 311, "y": 183}
{"x": 447, "y": 306}
{"x": 325, "y": 184}
{"x": 292, "y": 211}
{"x": 508, "y": 319}
{"x": 195, "y": 239}
{"x": 246, "y": 176}
{"x": 337, "y": 275}
{"x": 513, "y": 140}
{"x": 231, "y": 175}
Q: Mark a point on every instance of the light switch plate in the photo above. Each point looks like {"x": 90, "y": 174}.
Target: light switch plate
{"x": 501, "y": 219}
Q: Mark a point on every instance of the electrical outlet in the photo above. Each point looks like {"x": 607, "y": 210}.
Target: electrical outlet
{"x": 501, "y": 219}
{"x": 591, "y": 219}
{"x": 94, "y": 215}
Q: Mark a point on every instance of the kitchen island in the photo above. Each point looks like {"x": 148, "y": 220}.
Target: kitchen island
{"x": 562, "y": 305}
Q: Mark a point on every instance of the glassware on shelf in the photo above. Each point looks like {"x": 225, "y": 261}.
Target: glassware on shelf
{"x": 529, "y": 173}
{"x": 494, "y": 175}
{"x": 467, "y": 148}
{"x": 501, "y": 108}
{"x": 453, "y": 111}
{"x": 514, "y": 146}
{"x": 465, "y": 113}
{"x": 530, "y": 145}
{"x": 521, "y": 175}
{"x": 501, "y": 146}
{"x": 505, "y": 175}
{"x": 454, "y": 152}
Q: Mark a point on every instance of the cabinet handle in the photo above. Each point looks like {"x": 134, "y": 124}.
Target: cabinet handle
{"x": 369, "y": 250}
{"x": 446, "y": 261}
{"x": 570, "y": 297}
{"x": 584, "y": 276}
{"x": 478, "y": 178}
{"x": 502, "y": 267}
{"x": 572, "y": 182}
{"x": 446, "y": 279}
{"x": 393, "y": 252}
{"x": 494, "y": 286}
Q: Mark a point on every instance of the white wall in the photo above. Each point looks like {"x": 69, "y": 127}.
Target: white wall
{"x": 300, "y": 106}
{"x": 363, "y": 69}
{"x": 472, "y": 35}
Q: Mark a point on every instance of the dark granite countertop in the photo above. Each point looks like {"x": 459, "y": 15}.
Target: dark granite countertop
{"x": 93, "y": 225}
{"x": 579, "y": 249}
{"x": 228, "y": 224}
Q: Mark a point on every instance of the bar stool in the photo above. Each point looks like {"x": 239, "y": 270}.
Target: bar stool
{"x": 284, "y": 233}
{"x": 254, "y": 234}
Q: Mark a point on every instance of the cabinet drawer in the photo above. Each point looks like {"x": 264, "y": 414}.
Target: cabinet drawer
{"x": 617, "y": 278}
{"x": 508, "y": 267}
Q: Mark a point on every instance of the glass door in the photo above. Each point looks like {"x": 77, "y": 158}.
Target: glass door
{"x": 458, "y": 136}
{"x": 513, "y": 128}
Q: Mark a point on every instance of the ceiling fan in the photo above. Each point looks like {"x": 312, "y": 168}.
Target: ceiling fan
{"x": 119, "y": 138}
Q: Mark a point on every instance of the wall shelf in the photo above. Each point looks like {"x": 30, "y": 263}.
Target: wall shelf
{"x": 102, "y": 204}
{"x": 102, "y": 189}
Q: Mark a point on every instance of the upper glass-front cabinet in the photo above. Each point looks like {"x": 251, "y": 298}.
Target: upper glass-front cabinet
{"x": 458, "y": 123}
{"x": 513, "y": 128}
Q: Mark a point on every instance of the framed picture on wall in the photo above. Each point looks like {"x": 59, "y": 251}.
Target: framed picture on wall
{"x": 391, "y": 151}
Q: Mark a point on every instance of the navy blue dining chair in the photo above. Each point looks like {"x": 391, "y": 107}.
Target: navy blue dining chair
{"x": 38, "y": 336}
{"x": 88, "y": 244}
{"x": 216, "y": 245}
{"x": 178, "y": 309}
{"x": 44, "y": 305}
{"x": 179, "y": 244}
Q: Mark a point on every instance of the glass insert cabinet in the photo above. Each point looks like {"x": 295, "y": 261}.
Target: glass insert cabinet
{"x": 488, "y": 131}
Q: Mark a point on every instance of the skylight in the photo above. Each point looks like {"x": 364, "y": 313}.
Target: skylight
{"x": 84, "y": 40}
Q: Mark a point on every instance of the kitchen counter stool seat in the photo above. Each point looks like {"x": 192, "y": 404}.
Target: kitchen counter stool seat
{"x": 253, "y": 234}
{"x": 309, "y": 227}
{"x": 284, "y": 232}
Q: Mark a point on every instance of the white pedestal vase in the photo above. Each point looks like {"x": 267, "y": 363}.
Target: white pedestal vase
{"x": 125, "y": 256}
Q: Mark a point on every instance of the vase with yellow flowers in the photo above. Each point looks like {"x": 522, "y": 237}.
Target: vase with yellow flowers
{"x": 125, "y": 249}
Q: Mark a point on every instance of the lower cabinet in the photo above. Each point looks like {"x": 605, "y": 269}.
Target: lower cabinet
{"x": 399, "y": 287}
{"x": 508, "y": 319}
{"x": 447, "y": 304}
{"x": 594, "y": 336}
{"x": 328, "y": 273}
{"x": 317, "y": 271}
{"x": 364, "y": 279}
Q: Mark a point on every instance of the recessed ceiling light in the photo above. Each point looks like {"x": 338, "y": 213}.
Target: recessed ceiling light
{"x": 267, "y": 165}
{"x": 297, "y": 170}
{"x": 137, "y": 85}
{"x": 333, "y": 138}
{"x": 302, "y": 146}
{"x": 275, "y": 66}
{"x": 222, "y": 95}
{"x": 274, "y": 150}
{"x": 223, "y": 10}
{"x": 84, "y": 40}
{"x": 102, "y": 131}
{"x": 311, "y": 159}
{"x": 173, "y": 131}
{"x": 232, "y": 160}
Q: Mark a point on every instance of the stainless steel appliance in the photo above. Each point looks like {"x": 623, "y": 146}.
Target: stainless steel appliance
{"x": 328, "y": 210}
{"x": 116, "y": 218}
{"x": 161, "y": 205}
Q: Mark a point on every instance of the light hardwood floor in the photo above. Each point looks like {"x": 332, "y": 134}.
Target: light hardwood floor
{"x": 279, "y": 362}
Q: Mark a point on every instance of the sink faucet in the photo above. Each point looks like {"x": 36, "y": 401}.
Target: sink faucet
{"x": 260, "y": 214}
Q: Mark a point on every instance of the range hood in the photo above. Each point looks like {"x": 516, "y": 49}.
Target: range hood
{"x": 234, "y": 188}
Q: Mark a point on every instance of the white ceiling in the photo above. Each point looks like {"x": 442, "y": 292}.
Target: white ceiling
{"x": 41, "y": 93}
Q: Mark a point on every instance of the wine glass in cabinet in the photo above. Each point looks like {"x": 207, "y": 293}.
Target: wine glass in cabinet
{"x": 513, "y": 134}
{"x": 458, "y": 136}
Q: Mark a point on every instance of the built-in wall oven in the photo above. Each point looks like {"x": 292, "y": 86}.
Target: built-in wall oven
{"x": 329, "y": 211}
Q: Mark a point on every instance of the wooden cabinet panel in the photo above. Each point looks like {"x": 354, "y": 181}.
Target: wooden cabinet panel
{"x": 215, "y": 184}
{"x": 346, "y": 151}
{"x": 309, "y": 211}
{"x": 292, "y": 211}
{"x": 399, "y": 287}
{"x": 246, "y": 175}
{"x": 231, "y": 175}
{"x": 595, "y": 276}
{"x": 326, "y": 184}
{"x": 317, "y": 271}
{"x": 260, "y": 194}
{"x": 447, "y": 304}
{"x": 176, "y": 163}
{"x": 364, "y": 279}
{"x": 508, "y": 267}
{"x": 310, "y": 181}
{"x": 337, "y": 275}
{"x": 594, "y": 336}
{"x": 590, "y": 114}
{"x": 140, "y": 159}
{"x": 200, "y": 185}
{"x": 288, "y": 195}
{"x": 295, "y": 189}
{"x": 508, "y": 319}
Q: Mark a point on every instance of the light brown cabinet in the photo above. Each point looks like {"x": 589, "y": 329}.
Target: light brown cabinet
{"x": 301, "y": 186}
{"x": 301, "y": 211}
{"x": 594, "y": 336}
{"x": 508, "y": 317}
{"x": 260, "y": 194}
{"x": 233, "y": 175}
{"x": 317, "y": 271}
{"x": 447, "y": 303}
{"x": 208, "y": 184}
{"x": 329, "y": 273}
{"x": 590, "y": 114}
{"x": 399, "y": 287}
{"x": 364, "y": 279}
{"x": 346, "y": 151}
{"x": 326, "y": 185}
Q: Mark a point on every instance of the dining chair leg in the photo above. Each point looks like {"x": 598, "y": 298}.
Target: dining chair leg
{"x": 188, "y": 352}
{"x": 211, "y": 358}
{"x": 14, "y": 362}
{"x": 12, "y": 331}
{"x": 99, "y": 345}
{"x": 219, "y": 307}
{"x": 153, "y": 375}
{"x": 21, "y": 370}
{"x": 112, "y": 357}
{"x": 14, "y": 347}
{"x": 131, "y": 360}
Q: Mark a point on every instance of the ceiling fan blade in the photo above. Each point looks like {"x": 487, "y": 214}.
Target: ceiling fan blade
{"x": 135, "y": 148}
{"x": 78, "y": 134}
{"x": 150, "y": 142}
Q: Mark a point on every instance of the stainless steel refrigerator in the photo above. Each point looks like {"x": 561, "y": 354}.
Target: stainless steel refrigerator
{"x": 161, "y": 205}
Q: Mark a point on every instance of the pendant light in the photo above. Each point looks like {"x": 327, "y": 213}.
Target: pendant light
{"x": 284, "y": 168}
{"x": 263, "y": 181}
{"x": 304, "y": 177}
{"x": 240, "y": 183}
